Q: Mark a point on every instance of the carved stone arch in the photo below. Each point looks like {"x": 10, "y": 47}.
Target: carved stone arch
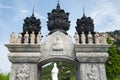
{"x": 57, "y": 58}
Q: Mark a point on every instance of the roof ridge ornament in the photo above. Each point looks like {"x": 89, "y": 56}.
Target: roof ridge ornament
{"x": 58, "y": 5}
{"x": 33, "y": 10}
{"x": 58, "y": 1}
{"x": 84, "y": 12}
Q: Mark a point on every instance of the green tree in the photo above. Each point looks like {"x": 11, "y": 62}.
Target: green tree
{"x": 66, "y": 71}
{"x": 4, "y": 77}
{"x": 113, "y": 64}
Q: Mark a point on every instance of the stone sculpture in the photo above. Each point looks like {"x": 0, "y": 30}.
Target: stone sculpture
{"x": 97, "y": 38}
{"x": 12, "y": 38}
{"x": 26, "y": 38}
{"x": 103, "y": 38}
{"x": 38, "y": 37}
{"x": 90, "y": 40}
{"x": 32, "y": 38}
{"x": 19, "y": 39}
{"x": 83, "y": 39}
{"x": 58, "y": 46}
{"x": 76, "y": 38}
{"x": 55, "y": 72}
{"x": 23, "y": 72}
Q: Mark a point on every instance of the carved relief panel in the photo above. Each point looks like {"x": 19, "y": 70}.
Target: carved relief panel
{"x": 22, "y": 72}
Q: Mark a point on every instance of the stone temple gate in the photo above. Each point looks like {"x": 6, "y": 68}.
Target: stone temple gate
{"x": 27, "y": 53}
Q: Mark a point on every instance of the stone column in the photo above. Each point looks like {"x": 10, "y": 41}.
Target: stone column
{"x": 77, "y": 71}
{"x": 24, "y": 60}
{"x": 91, "y": 61}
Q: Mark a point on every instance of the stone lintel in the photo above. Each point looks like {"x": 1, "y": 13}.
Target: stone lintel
{"x": 23, "y": 47}
{"x": 91, "y": 48}
{"x": 24, "y": 57}
{"x": 92, "y": 57}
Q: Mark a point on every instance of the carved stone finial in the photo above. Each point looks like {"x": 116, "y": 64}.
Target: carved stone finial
{"x": 31, "y": 24}
{"x": 90, "y": 38}
{"x": 19, "y": 39}
{"x": 58, "y": 20}
{"x": 83, "y": 12}
{"x": 85, "y": 24}
{"x": 32, "y": 38}
{"x": 83, "y": 39}
{"x": 33, "y": 11}
{"x": 26, "y": 38}
{"x": 76, "y": 38}
{"x": 97, "y": 38}
{"x": 58, "y": 6}
{"x": 12, "y": 38}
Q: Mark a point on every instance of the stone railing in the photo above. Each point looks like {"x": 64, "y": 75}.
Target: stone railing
{"x": 25, "y": 38}
{"x": 96, "y": 38}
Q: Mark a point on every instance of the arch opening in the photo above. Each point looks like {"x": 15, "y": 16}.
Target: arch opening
{"x": 67, "y": 69}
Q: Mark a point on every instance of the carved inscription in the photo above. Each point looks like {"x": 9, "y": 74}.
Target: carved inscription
{"x": 56, "y": 53}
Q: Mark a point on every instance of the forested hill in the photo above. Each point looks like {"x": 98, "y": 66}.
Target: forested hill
{"x": 115, "y": 36}
{"x": 113, "y": 63}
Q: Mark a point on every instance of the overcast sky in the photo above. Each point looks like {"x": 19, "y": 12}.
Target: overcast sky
{"x": 106, "y": 15}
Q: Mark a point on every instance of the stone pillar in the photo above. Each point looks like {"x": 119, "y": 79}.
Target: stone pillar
{"x": 77, "y": 71}
{"x": 91, "y": 61}
{"x": 24, "y": 60}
